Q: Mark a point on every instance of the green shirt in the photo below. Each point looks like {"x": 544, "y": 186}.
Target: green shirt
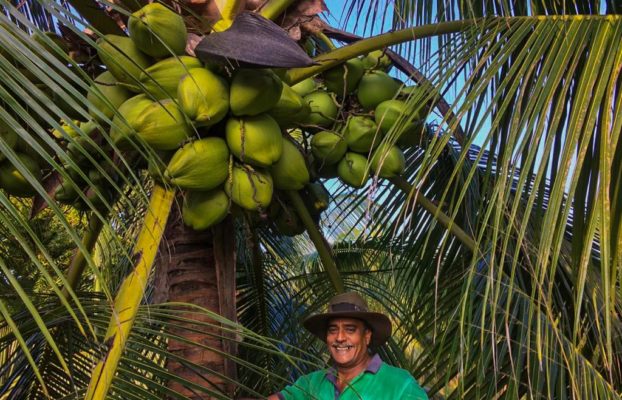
{"x": 378, "y": 382}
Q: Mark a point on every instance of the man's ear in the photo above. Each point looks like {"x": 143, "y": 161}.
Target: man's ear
{"x": 368, "y": 334}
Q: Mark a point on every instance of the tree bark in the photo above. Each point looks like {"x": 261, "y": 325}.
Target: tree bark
{"x": 198, "y": 268}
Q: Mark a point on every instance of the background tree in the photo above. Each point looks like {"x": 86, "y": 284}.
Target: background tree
{"x": 499, "y": 262}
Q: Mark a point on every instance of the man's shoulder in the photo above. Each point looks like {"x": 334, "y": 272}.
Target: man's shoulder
{"x": 397, "y": 373}
{"x": 403, "y": 381}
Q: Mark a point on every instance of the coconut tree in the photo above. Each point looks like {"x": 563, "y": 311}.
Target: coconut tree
{"x": 496, "y": 251}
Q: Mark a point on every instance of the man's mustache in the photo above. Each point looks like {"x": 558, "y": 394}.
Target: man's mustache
{"x": 348, "y": 346}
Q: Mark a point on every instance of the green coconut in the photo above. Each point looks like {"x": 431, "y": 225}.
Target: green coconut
{"x": 105, "y": 96}
{"x": 254, "y": 91}
{"x": 158, "y": 31}
{"x": 66, "y": 192}
{"x": 288, "y": 223}
{"x": 203, "y": 96}
{"x": 328, "y": 147}
{"x": 305, "y": 87}
{"x": 388, "y": 161}
{"x": 377, "y": 59}
{"x": 200, "y": 165}
{"x": 316, "y": 197}
{"x": 255, "y": 140}
{"x": 202, "y": 210}
{"x": 290, "y": 171}
{"x": 291, "y": 109}
{"x": 323, "y": 109}
{"x": 162, "y": 125}
{"x": 343, "y": 79}
{"x": 162, "y": 78}
{"x": 249, "y": 188}
{"x": 13, "y": 181}
{"x": 389, "y": 112}
{"x": 121, "y": 130}
{"x": 376, "y": 87}
{"x": 353, "y": 170}
{"x": 362, "y": 134}
{"x": 8, "y": 136}
{"x": 123, "y": 59}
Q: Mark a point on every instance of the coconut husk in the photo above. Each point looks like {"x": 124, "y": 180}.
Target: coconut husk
{"x": 252, "y": 41}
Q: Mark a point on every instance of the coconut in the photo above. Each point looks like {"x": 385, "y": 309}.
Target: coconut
{"x": 323, "y": 109}
{"x": 249, "y": 188}
{"x": 8, "y": 136}
{"x": 255, "y": 140}
{"x": 66, "y": 192}
{"x": 290, "y": 171}
{"x": 388, "y": 161}
{"x": 376, "y": 87}
{"x": 202, "y": 210}
{"x": 121, "y": 130}
{"x": 328, "y": 147}
{"x": 353, "y": 170}
{"x": 305, "y": 87}
{"x": 162, "y": 125}
{"x": 291, "y": 108}
{"x": 199, "y": 165}
{"x": 344, "y": 78}
{"x": 13, "y": 181}
{"x": 362, "y": 134}
{"x": 389, "y": 112}
{"x": 203, "y": 96}
{"x": 377, "y": 59}
{"x": 288, "y": 223}
{"x": 123, "y": 59}
{"x": 316, "y": 197}
{"x": 254, "y": 91}
{"x": 162, "y": 78}
{"x": 158, "y": 31}
{"x": 105, "y": 96}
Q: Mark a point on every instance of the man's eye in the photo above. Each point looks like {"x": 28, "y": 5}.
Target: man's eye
{"x": 350, "y": 330}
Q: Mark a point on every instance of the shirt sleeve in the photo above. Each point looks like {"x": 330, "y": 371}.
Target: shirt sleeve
{"x": 412, "y": 391}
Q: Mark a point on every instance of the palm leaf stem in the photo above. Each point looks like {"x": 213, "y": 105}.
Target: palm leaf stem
{"x": 131, "y": 292}
{"x": 274, "y": 8}
{"x": 440, "y": 216}
{"x": 322, "y": 246}
{"x": 78, "y": 263}
{"x": 333, "y": 58}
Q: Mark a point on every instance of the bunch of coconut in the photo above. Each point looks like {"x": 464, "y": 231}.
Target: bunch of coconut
{"x": 356, "y": 108}
{"x": 221, "y": 137}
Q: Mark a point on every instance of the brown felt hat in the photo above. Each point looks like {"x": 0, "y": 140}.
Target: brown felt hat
{"x": 350, "y": 305}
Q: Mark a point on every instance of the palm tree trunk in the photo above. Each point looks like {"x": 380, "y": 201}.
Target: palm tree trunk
{"x": 198, "y": 268}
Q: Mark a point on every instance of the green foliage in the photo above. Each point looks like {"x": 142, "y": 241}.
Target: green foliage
{"x": 524, "y": 161}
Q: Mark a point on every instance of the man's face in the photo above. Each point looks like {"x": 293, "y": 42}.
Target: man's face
{"x": 347, "y": 340}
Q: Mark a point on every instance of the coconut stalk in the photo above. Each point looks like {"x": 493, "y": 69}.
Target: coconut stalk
{"x": 227, "y": 15}
{"x": 274, "y": 8}
{"x": 322, "y": 246}
{"x": 436, "y": 212}
{"x": 78, "y": 263}
{"x": 131, "y": 292}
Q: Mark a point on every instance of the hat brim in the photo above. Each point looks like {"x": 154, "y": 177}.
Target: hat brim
{"x": 380, "y": 324}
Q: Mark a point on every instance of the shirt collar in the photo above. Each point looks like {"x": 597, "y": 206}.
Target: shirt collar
{"x": 373, "y": 366}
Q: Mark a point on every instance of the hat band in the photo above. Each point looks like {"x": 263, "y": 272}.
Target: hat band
{"x": 346, "y": 307}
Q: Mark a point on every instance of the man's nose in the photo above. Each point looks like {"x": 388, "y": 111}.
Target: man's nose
{"x": 341, "y": 336}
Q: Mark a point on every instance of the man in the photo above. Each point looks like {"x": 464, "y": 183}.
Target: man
{"x": 349, "y": 330}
